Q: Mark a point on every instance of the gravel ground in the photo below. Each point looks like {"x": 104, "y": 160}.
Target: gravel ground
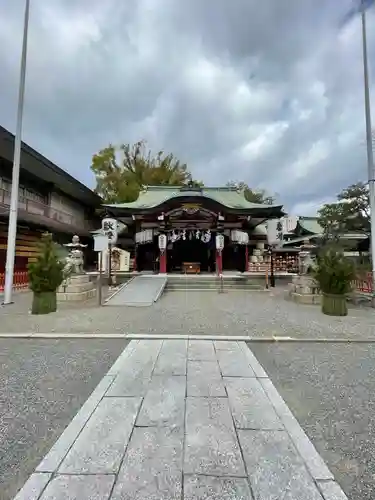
{"x": 330, "y": 389}
{"x": 43, "y": 385}
{"x": 235, "y": 313}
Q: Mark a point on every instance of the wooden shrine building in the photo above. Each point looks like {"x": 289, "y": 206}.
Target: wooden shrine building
{"x": 175, "y": 229}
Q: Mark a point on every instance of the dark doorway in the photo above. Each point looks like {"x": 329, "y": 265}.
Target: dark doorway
{"x": 146, "y": 257}
{"x": 189, "y": 250}
{"x": 234, "y": 256}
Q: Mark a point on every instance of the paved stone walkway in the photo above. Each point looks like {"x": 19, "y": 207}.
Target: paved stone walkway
{"x": 139, "y": 291}
{"x": 190, "y": 420}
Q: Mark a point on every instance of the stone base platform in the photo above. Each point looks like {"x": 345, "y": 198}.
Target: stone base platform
{"x": 305, "y": 298}
{"x": 76, "y": 288}
{"x": 304, "y": 290}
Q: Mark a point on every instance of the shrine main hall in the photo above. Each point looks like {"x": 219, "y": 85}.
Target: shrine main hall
{"x": 172, "y": 229}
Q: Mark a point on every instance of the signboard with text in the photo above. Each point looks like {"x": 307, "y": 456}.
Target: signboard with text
{"x": 275, "y": 232}
{"x": 109, "y": 228}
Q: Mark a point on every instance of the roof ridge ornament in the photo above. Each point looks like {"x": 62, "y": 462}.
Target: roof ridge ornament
{"x": 191, "y": 186}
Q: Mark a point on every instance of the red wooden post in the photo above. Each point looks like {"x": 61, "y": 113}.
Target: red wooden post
{"x": 162, "y": 240}
{"x": 135, "y": 258}
{"x": 219, "y": 262}
{"x": 163, "y": 262}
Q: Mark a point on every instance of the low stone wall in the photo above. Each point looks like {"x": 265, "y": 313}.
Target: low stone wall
{"x": 76, "y": 288}
{"x": 304, "y": 290}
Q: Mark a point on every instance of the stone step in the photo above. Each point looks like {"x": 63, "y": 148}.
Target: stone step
{"x": 73, "y": 287}
{"x": 212, "y": 290}
{"x": 79, "y": 279}
{"x": 213, "y": 285}
{"x": 76, "y": 296}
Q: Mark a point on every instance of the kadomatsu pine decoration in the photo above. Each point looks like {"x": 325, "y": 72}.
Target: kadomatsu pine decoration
{"x": 45, "y": 276}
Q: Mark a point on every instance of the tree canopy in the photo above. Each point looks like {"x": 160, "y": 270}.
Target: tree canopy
{"x": 251, "y": 195}
{"x": 350, "y": 213}
{"x": 122, "y": 172}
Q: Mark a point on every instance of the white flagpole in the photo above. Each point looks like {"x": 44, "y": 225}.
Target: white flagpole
{"x": 12, "y": 226}
{"x": 370, "y": 156}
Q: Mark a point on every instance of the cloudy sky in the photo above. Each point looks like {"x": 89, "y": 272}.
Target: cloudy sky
{"x": 269, "y": 92}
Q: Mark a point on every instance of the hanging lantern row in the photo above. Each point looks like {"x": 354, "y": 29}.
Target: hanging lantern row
{"x": 184, "y": 234}
{"x": 239, "y": 237}
{"x": 145, "y": 236}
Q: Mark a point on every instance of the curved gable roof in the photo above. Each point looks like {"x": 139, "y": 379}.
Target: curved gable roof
{"x": 154, "y": 196}
{"x": 310, "y": 225}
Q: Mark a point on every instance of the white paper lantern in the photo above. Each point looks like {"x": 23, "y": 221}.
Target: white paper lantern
{"x": 219, "y": 242}
{"x": 162, "y": 242}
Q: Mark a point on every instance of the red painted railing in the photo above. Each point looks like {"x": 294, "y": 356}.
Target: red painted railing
{"x": 363, "y": 284}
{"x": 20, "y": 280}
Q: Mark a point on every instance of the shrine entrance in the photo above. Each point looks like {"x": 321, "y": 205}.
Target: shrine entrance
{"x": 234, "y": 256}
{"x": 190, "y": 251}
{"x": 147, "y": 257}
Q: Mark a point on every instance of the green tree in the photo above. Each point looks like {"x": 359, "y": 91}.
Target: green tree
{"x": 122, "y": 172}
{"x": 254, "y": 196}
{"x": 350, "y": 213}
{"x": 45, "y": 276}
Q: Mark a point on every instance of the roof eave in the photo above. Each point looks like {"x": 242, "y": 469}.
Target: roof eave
{"x": 266, "y": 212}
{"x": 47, "y": 170}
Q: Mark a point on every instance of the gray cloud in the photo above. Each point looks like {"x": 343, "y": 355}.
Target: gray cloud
{"x": 267, "y": 92}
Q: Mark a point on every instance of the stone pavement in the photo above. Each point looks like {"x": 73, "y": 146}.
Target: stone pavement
{"x": 254, "y": 314}
{"x": 190, "y": 420}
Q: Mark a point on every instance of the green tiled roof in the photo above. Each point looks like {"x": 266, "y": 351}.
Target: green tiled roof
{"x": 154, "y": 196}
{"x": 310, "y": 224}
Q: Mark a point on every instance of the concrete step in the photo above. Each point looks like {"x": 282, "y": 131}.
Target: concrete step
{"x": 213, "y": 290}
{"x": 213, "y": 283}
{"x": 214, "y": 286}
{"x": 76, "y": 296}
{"x": 75, "y": 288}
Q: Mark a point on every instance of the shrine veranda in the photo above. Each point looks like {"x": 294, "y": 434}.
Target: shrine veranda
{"x": 191, "y": 230}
